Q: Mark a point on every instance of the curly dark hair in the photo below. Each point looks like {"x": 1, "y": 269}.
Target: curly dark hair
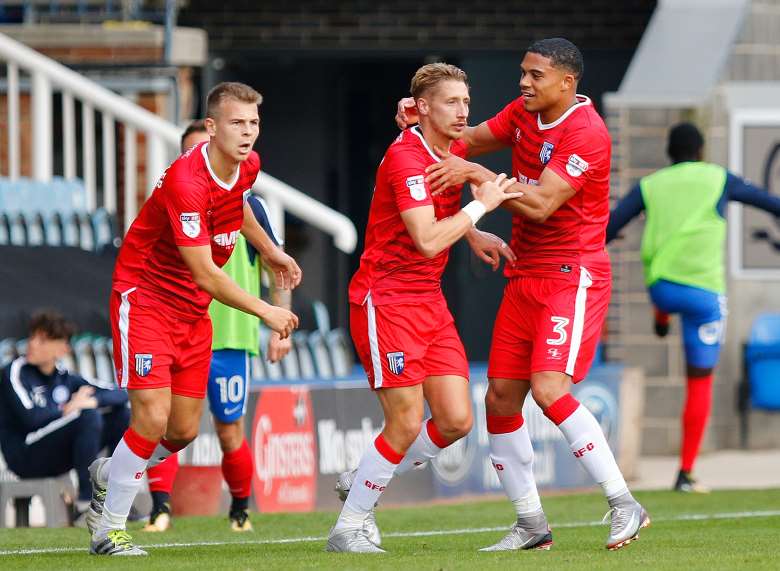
{"x": 52, "y": 324}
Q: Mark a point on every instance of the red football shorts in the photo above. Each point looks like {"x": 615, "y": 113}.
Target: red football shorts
{"x": 400, "y": 345}
{"x": 548, "y": 324}
{"x": 153, "y": 350}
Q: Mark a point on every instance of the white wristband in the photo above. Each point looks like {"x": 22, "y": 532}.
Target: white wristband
{"x": 475, "y": 210}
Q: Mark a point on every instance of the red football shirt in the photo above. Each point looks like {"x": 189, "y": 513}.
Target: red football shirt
{"x": 391, "y": 267}
{"x": 577, "y": 148}
{"x": 190, "y": 206}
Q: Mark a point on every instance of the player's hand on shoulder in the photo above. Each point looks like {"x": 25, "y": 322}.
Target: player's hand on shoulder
{"x": 451, "y": 170}
{"x": 286, "y": 271}
{"x": 282, "y": 321}
{"x": 493, "y": 192}
{"x": 406, "y": 113}
{"x": 489, "y": 248}
{"x": 278, "y": 347}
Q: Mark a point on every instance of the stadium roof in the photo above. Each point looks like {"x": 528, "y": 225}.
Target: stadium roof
{"x": 682, "y": 52}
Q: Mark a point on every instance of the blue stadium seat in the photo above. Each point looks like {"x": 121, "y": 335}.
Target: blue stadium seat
{"x": 104, "y": 366}
{"x": 340, "y": 349}
{"x": 319, "y": 351}
{"x": 290, "y": 367}
{"x": 273, "y": 370}
{"x": 760, "y": 386}
{"x": 27, "y": 195}
{"x": 7, "y": 351}
{"x": 52, "y": 228}
{"x": 35, "y": 233}
{"x": 17, "y": 231}
{"x": 5, "y": 234}
{"x": 305, "y": 360}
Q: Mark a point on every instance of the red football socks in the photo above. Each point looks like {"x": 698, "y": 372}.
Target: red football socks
{"x": 694, "y": 420}
{"x": 237, "y": 471}
{"x": 161, "y": 477}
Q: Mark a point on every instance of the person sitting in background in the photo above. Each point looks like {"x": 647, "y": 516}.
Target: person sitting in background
{"x": 51, "y": 420}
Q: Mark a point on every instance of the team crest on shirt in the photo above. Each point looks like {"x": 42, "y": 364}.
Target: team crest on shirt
{"x": 576, "y": 165}
{"x": 416, "y": 186}
{"x": 395, "y": 361}
{"x": 546, "y": 152}
{"x": 190, "y": 224}
{"x": 143, "y": 364}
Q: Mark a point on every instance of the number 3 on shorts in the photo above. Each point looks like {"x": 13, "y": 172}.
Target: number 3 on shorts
{"x": 560, "y": 329}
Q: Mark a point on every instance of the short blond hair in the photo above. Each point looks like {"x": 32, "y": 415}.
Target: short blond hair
{"x": 230, "y": 90}
{"x": 430, "y": 75}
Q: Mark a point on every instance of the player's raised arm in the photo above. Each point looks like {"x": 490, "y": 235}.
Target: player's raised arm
{"x": 431, "y": 236}
{"x": 286, "y": 271}
{"x": 216, "y": 283}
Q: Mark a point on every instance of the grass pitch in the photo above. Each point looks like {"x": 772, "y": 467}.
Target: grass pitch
{"x": 722, "y": 530}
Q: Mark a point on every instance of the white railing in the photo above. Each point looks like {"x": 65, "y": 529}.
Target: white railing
{"x": 161, "y": 138}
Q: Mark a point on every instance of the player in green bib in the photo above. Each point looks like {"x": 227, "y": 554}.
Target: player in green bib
{"x": 236, "y": 338}
{"x": 683, "y": 250}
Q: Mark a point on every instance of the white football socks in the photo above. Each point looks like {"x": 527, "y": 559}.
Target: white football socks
{"x": 513, "y": 458}
{"x": 125, "y": 475}
{"x": 373, "y": 474}
{"x": 589, "y": 445}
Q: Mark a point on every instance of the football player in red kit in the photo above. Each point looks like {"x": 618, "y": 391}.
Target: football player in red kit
{"x": 403, "y": 331}
{"x": 556, "y": 299}
{"x": 167, "y": 272}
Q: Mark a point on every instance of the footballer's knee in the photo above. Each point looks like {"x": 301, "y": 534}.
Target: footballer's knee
{"x": 549, "y": 386}
{"x": 503, "y": 399}
{"x": 230, "y": 434}
{"x": 456, "y": 425}
{"x": 401, "y": 432}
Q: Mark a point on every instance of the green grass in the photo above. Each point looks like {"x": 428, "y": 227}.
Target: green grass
{"x": 672, "y": 542}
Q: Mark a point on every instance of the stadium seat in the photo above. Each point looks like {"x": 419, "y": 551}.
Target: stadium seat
{"x": 85, "y": 362}
{"x": 16, "y": 230}
{"x": 273, "y": 370}
{"x": 51, "y": 492}
{"x": 7, "y": 351}
{"x": 305, "y": 360}
{"x": 104, "y": 367}
{"x": 5, "y": 234}
{"x": 319, "y": 351}
{"x": 340, "y": 349}
{"x": 70, "y": 230}
{"x": 52, "y": 228}
{"x": 321, "y": 316}
{"x": 760, "y": 385}
{"x": 290, "y": 367}
{"x": 35, "y": 233}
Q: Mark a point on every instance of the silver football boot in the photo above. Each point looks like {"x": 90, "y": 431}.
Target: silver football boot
{"x": 117, "y": 542}
{"x": 627, "y": 517}
{"x": 343, "y": 485}
{"x": 95, "y": 510}
{"x": 351, "y": 541}
{"x": 528, "y": 532}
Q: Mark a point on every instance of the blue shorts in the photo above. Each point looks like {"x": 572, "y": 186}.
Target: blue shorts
{"x": 228, "y": 384}
{"x": 703, "y": 314}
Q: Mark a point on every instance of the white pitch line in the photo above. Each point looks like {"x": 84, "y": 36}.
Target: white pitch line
{"x": 430, "y": 533}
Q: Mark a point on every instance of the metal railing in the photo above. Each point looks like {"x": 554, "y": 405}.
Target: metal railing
{"x": 161, "y": 142}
